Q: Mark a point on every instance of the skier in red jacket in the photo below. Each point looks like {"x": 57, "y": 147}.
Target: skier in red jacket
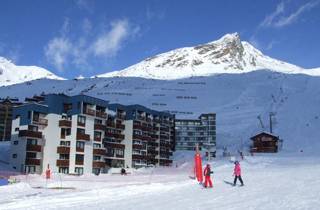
{"x": 207, "y": 179}
{"x": 237, "y": 173}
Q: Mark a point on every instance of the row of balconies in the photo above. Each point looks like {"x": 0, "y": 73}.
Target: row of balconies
{"x": 31, "y": 134}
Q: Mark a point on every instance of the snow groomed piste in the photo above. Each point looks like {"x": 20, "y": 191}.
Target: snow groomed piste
{"x": 279, "y": 181}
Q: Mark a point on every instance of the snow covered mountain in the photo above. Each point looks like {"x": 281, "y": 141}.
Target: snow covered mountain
{"x": 12, "y": 74}
{"x": 227, "y": 55}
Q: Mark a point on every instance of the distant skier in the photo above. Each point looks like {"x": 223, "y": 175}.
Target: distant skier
{"x": 237, "y": 173}
{"x": 207, "y": 173}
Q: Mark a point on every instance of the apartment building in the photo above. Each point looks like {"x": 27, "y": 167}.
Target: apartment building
{"x": 6, "y": 117}
{"x": 149, "y": 136}
{"x": 201, "y": 132}
{"x": 72, "y": 134}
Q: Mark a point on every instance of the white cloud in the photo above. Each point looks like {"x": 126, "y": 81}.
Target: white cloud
{"x": 64, "y": 50}
{"x": 85, "y": 5}
{"x": 269, "y": 18}
{"x": 109, "y": 43}
{"x": 283, "y": 21}
{"x": 279, "y": 19}
{"x": 57, "y": 52}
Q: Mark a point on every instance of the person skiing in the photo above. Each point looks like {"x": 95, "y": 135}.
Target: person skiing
{"x": 237, "y": 173}
{"x": 207, "y": 179}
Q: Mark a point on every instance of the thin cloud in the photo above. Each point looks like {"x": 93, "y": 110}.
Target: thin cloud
{"x": 283, "y": 21}
{"x": 268, "y": 21}
{"x": 279, "y": 18}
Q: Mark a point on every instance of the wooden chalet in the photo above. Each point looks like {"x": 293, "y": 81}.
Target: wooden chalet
{"x": 265, "y": 142}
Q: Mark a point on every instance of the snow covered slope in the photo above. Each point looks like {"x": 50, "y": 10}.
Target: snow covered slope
{"x": 227, "y": 55}
{"x": 236, "y": 98}
{"x": 12, "y": 74}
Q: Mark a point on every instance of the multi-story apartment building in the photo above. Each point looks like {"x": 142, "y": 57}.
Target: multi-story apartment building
{"x": 77, "y": 134}
{"x": 149, "y": 136}
{"x": 201, "y": 132}
{"x": 6, "y": 117}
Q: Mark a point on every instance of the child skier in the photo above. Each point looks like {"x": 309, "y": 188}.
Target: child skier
{"x": 237, "y": 173}
{"x": 207, "y": 179}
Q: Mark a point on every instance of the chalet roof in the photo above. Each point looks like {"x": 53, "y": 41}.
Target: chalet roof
{"x": 265, "y": 134}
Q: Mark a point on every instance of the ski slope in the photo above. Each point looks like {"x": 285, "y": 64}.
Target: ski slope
{"x": 285, "y": 181}
{"x": 236, "y": 98}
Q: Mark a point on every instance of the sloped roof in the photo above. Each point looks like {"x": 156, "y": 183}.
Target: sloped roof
{"x": 266, "y": 134}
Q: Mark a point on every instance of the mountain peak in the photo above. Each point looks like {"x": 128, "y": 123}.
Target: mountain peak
{"x": 226, "y": 55}
{"x": 13, "y": 74}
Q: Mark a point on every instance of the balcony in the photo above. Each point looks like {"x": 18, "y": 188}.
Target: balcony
{"x": 32, "y": 161}
{"x": 141, "y": 127}
{"x": 82, "y": 136}
{"x": 141, "y": 137}
{"x": 63, "y": 163}
{"x": 81, "y": 124}
{"x": 121, "y": 116}
{"x": 63, "y": 150}
{"x": 33, "y": 148}
{"x": 96, "y": 138}
{"x": 138, "y": 157}
{"x": 114, "y": 145}
{"x": 164, "y": 129}
{"x": 101, "y": 114}
{"x": 115, "y": 135}
{"x": 65, "y": 123}
{"x": 29, "y": 133}
{"x": 120, "y": 126}
{"x": 89, "y": 111}
{"x": 99, "y": 127}
{"x": 119, "y": 156}
{"x": 79, "y": 149}
{"x": 79, "y": 162}
{"x": 111, "y": 124}
{"x": 40, "y": 121}
{"x": 99, "y": 151}
{"x": 138, "y": 146}
{"x": 98, "y": 164}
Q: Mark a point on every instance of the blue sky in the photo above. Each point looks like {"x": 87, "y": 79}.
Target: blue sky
{"x": 73, "y": 37}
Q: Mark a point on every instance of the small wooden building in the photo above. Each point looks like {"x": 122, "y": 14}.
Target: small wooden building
{"x": 265, "y": 142}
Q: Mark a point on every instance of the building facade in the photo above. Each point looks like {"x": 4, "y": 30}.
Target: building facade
{"x": 6, "y": 117}
{"x": 192, "y": 132}
{"x": 73, "y": 134}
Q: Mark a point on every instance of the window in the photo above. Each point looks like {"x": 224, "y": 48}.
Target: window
{"x": 79, "y": 158}
{"x": 32, "y": 128}
{"x": 65, "y": 143}
{"x": 81, "y": 119}
{"x": 64, "y": 170}
{"x": 16, "y": 142}
{"x": 97, "y": 121}
{"x": 29, "y": 114}
{"x": 80, "y": 144}
{"x": 96, "y": 145}
{"x": 97, "y": 135}
{"x": 14, "y": 155}
{"x": 30, "y": 169}
{"x": 64, "y": 157}
{"x": 119, "y": 152}
{"x": 32, "y": 141}
{"x": 97, "y": 158}
{"x": 16, "y": 129}
{"x": 78, "y": 170}
{"x": 31, "y": 155}
{"x": 81, "y": 131}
